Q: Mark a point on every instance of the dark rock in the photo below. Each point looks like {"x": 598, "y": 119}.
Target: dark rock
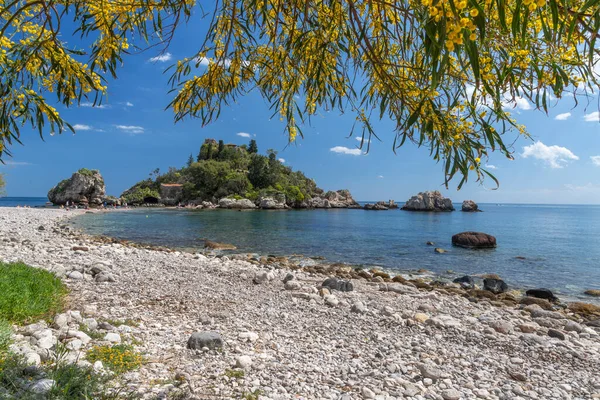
{"x": 198, "y": 340}
{"x": 338, "y": 284}
{"x": 41, "y": 228}
{"x": 470, "y": 206}
{"x": 81, "y": 248}
{"x": 495, "y": 286}
{"x": 105, "y": 325}
{"x": 474, "y": 240}
{"x": 556, "y": 334}
{"x": 429, "y": 201}
{"x": 541, "y": 294}
{"x": 430, "y": 244}
{"x": 376, "y": 207}
{"x": 465, "y": 281}
{"x": 288, "y": 278}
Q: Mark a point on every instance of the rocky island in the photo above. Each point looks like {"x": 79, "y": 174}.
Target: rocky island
{"x": 236, "y": 177}
{"x": 428, "y": 201}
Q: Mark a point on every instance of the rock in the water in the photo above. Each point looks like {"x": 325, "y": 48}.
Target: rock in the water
{"x": 465, "y": 281}
{"x": 430, "y": 243}
{"x": 593, "y": 292}
{"x": 218, "y": 246}
{"x": 236, "y": 204}
{"x": 211, "y": 340}
{"x": 84, "y": 187}
{"x": 470, "y": 206}
{"x": 439, "y": 250}
{"x": 474, "y": 240}
{"x": 429, "y": 201}
{"x": 541, "y": 294}
{"x": 376, "y": 207}
{"x": 338, "y": 284}
{"x": 495, "y": 286}
{"x": 341, "y": 199}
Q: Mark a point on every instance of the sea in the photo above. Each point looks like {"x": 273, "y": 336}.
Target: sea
{"x": 550, "y": 246}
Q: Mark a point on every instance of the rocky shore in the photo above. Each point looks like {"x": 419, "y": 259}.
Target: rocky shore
{"x": 277, "y": 333}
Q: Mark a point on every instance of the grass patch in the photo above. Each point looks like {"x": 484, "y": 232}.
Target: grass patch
{"x": 252, "y": 395}
{"x": 119, "y": 358}
{"x": 96, "y": 335}
{"x": 5, "y": 334}
{"x": 234, "y": 373}
{"x": 71, "y": 381}
{"x": 28, "y": 294}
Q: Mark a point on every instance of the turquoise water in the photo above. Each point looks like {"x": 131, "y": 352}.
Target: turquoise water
{"x": 560, "y": 243}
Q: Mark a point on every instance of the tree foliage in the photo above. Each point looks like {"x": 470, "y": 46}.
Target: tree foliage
{"x": 444, "y": 72}
{"x": 234, "y": 172}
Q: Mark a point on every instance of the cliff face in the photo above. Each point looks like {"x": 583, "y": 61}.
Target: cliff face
{"x": 85, "y": 187}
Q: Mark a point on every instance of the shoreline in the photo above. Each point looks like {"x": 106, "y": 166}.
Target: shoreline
{"x": 382, "y": 340}
{"x": 446, "y": 276}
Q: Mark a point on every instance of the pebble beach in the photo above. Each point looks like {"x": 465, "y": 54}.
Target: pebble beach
{"x": 292, "y": 340}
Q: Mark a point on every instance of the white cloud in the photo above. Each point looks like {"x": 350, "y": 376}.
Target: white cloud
{"x": 563, "y": 116}
{"x": 133, "y": 129}
{"x": 128, "y": 104}
{"x": 518, "y": 102}
{"x": 162, "y": 58}
{"x": 359, "y": 138}
{"x": 82, "y": 127}
{"x": 203, "y": 61}
{"x": 281, "y": 160}
{"x": 554, "y": 156}
{"x": 490, "y": 166}
{"x": 596, "y": 160}
{"x": 98, "y": 106}
{"x": 380, "y": 176}
{"x": 592, "y": 117}
{"x": 589, "y": 187}
{"x": 243, "y": 134}
{"x": 345, "y": 150}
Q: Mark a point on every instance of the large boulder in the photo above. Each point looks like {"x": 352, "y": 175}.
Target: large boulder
{"x": 379, "y": 206}
{"x": 470, "y": 206}
{"x": 429, "y": 201}
{"x": 236, "y": 204}
{"x": 84, "y": 187}
{"x": 341, "y": 199}
{"x": 270, "y": 203}
{"x": 545, "y": 294}
{"x": 318, "y": 202}
{"x": 474, "y": 240}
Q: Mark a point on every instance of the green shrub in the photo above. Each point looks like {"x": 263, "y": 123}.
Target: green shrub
{"x": 28, "y": 294}
{"x": 87, "y": 172}
{"x": 5, "y": 335}
{"x": 119, "y": 358}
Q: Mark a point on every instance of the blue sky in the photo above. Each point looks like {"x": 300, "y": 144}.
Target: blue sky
{"x": 132, "y": 134}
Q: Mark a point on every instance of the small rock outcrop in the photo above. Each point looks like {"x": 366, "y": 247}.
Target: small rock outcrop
{"x": 466, "y": 282}
{"x": 376, "y": 207}
{"x": 429, "y": 201}
{"x": 341, "y": 199}
{"x": 240, "y": 204}
{"x": 474, "y": 240}
{"x": 470, "y": 206}
{"x": 85, "y": 187}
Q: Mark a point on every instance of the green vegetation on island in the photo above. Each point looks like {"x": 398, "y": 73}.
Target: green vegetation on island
{"x": 223, "y": 170}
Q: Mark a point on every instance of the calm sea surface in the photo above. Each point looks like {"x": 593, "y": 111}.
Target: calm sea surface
{"x": 561, "y": 244}
{"x": 23, "y": 201}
